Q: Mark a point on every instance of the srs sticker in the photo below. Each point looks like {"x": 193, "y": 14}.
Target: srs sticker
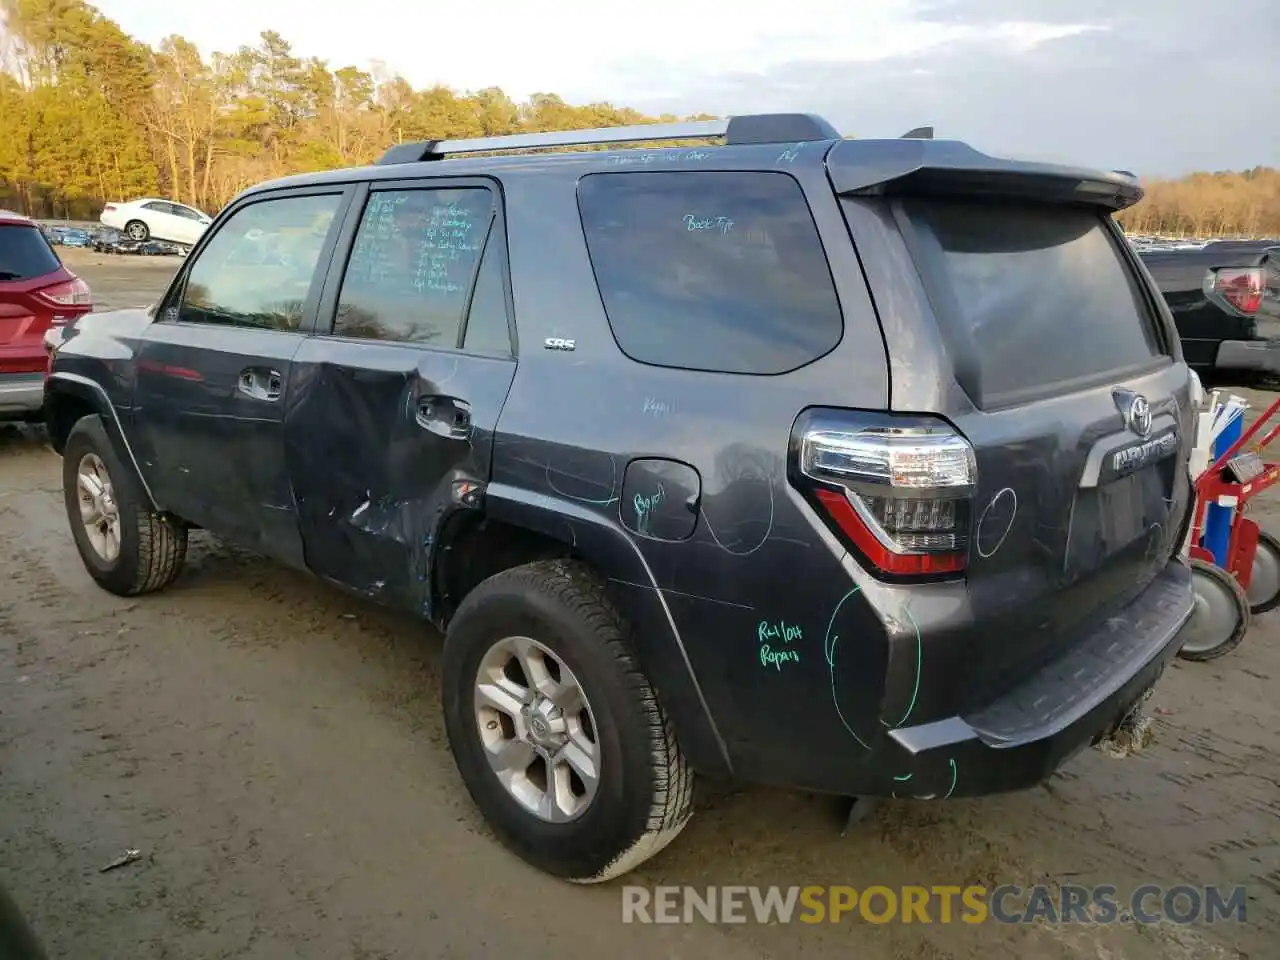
{"x": 556, "y": 343}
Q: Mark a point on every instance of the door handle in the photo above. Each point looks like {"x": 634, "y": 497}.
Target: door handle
{"x": 260, "y": 383}
{"x": 445, "y": 417}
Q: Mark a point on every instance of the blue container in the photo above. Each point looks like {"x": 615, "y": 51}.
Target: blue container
{"x": 1217, "y": 519}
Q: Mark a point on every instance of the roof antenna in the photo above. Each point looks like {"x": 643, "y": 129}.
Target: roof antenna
{"x": 919, "y": 133}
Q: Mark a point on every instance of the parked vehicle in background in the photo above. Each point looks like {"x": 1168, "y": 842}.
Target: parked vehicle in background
{"x": 36, "y": 293}
{"x": 110, "y": 240}
{"x": 1225, "y": 301}
{"x": 72, "y": 237}
{"x": 628, "y": 426}
{"x": 150, "y": 218}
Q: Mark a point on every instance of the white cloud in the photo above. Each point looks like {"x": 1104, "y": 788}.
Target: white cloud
{"x": 573, "y": 47}
{"x": 1111, "y": 84}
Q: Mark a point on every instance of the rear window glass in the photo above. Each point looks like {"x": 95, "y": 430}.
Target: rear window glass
{"x": 710, "y": 271}
{"x": 1038, "y": 295}
{"x": 25, "y": 253}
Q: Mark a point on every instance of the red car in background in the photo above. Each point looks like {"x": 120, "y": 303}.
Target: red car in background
{"x": 37, "y": 293}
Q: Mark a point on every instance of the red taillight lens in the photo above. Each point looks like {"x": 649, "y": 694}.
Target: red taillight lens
{"x": 72, "y": 293}
{"x": 108, "y": 208}
{"x": 1241, "y": 288}
{"x": 901, "y": 496}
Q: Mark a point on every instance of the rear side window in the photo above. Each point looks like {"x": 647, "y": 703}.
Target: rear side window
{"x": 710, "y": 271}
{"x": 413, "y": 266}
{"x": 1038, "y": 295}
{"x": 25, "y": 253}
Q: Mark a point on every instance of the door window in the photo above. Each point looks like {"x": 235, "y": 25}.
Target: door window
{"x": 257, "y": 270}
{"x": 486, "y": 328}
{"x": 185, "y": 212}
{"x": 413, "y": 267}
{"x": 158, "y": 206}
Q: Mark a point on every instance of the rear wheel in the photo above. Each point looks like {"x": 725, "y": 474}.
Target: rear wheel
{"x": 1221, "y": 615}
{"x": 127, "y": 547}
{"x": 1264, "y": 580}
{"x": 557, "y": 733}
{"x": 137, "y": 230}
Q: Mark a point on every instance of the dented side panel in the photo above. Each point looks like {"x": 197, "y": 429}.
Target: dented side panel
{"x": 377, "y": 460}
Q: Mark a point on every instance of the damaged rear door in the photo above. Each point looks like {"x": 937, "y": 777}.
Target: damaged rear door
{"x": 394, "y": 400}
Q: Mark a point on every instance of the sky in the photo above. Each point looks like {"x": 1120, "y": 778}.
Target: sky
{"x": 1159, "y": 87}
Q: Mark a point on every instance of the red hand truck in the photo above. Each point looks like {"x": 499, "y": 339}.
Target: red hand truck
{"x": 1226, "y": 598}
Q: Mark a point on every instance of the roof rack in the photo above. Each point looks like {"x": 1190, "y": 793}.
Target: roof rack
{"x": 747, "y": 129}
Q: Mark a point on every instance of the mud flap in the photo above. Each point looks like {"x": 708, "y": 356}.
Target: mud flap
{"x": 1132, "y": 733}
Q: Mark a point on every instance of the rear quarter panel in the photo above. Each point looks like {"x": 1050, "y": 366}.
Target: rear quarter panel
{"x": 757, "y": 569}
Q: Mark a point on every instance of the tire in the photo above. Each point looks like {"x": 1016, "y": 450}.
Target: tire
{"x": 137, "y": 230}
{"x": 151, "y": 547}
{"x": 1221, "y": 617}
{"x": 1264, "y": 581}
{"x": 643, "y": 794}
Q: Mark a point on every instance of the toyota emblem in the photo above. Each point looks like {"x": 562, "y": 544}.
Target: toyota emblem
{"x": 1138, "y": 415}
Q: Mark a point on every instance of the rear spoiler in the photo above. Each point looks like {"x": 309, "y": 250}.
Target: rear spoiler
{"x": 920, "y": 167}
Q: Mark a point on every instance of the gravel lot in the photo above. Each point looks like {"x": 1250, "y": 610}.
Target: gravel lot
{"x": 274, "y": 749}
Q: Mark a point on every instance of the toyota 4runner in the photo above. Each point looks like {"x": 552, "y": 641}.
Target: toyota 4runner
{"x": 857, "y": 466}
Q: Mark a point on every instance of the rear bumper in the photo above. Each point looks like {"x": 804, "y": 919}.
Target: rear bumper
{"x": 1262, "y": 356}
{"x": 21, "y": 395}
{"x": 1021, "y": 738}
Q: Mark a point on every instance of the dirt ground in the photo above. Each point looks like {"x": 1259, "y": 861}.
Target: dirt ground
{"x": 275, "y": 751}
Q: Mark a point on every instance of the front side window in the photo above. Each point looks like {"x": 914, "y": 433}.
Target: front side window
{"x": 256, "y": 271}
{"x": 710, "y": 270}
{"x": 413, "y": 265}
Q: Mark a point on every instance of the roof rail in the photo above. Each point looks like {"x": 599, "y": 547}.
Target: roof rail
{"x": 918, "y": 133}
{"x": 747, "y": 129}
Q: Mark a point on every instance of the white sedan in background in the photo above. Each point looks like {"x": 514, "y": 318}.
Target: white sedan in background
{"x": 149, "y": 219}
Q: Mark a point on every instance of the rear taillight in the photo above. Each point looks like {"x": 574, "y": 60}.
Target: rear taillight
{"x": 108, "y": 208}
{"x": 1241, "y": 288}
{"x": 902, "y": 495}
{"x": 71, "y": 293}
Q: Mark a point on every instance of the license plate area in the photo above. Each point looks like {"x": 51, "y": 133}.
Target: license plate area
{"x": 1120, "y": 515}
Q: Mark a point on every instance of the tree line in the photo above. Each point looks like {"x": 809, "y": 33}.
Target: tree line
{"x": 89, "y": 115}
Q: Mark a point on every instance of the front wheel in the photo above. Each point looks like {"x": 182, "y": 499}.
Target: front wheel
{"x": 557, "y": 734}
{"x": 127, "y": 547}
{"x": 137, "y": 230}
{"x": 1221, "y": 615}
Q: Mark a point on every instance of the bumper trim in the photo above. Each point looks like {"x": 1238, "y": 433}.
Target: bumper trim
{"x": 1019, "y": 739}
{"x": 1068, "y": 689}
{"x": 21, "y": 393}
{"x": 1260, "y": 355}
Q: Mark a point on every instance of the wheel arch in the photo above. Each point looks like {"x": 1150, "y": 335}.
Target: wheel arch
{"x": 519, "y": 526}
{"x": 67, "y": 398}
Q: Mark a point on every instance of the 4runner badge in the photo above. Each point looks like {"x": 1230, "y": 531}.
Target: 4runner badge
{"x": 555, "y": 343}
{"x": 1136, "y": 411}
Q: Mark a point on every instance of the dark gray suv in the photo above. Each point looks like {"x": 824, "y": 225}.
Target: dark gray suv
{"x": 856, "y": 466}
